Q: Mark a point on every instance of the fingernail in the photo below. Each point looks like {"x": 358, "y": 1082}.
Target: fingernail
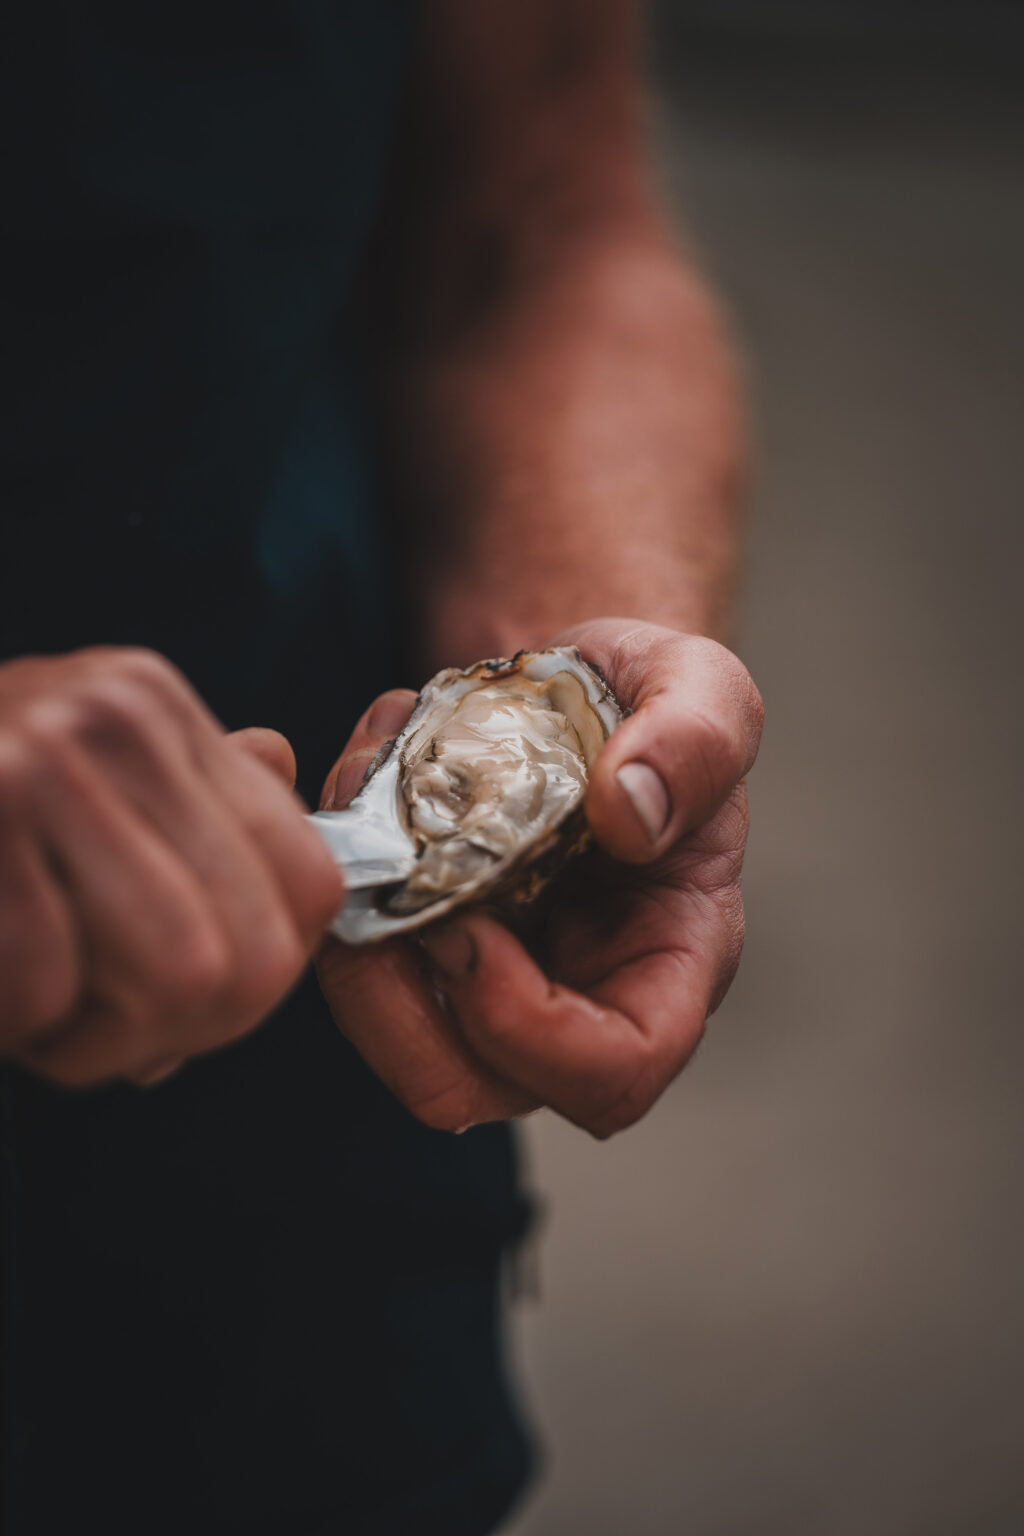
{"x": 452, "y": 951}
{"x": 388, "y": 715}
{"x": 648, "y": 797}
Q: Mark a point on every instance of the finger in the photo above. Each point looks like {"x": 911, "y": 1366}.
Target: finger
{"x": 693, "y": 734}
{"x": 153, "y": 952}
{"x": 101, "y": 1043}
{"x": 233, "y": 819}
{"x": 270, "y": 748}
{"x": 601, "y": 1060}
{"x": 205, "y": 795}
{"x": 384, "y": 1003}
{"x": 384, "y": 719}
{"x": 39, "y": 950}
{"x": 270, "y": 885}
{"x": 291, "y": 853}
{"x": 225, "y": 844}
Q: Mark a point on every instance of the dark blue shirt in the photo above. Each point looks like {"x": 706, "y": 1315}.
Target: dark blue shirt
{"x": 260, "y": 1298}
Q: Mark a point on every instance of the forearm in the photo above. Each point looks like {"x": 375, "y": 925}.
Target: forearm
{"x": 579, "y": 452}
{"x": 559, "y": 404}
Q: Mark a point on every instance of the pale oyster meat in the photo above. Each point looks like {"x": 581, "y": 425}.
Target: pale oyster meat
{"x": 482, "y": 792}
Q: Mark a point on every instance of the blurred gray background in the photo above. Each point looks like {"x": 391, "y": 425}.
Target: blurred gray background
{"x": 792, "y": 1301}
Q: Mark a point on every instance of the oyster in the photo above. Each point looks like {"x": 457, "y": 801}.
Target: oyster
{"x": 480, "y": 796}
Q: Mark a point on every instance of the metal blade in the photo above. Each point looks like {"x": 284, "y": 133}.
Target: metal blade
{"x": 366, "y": 855}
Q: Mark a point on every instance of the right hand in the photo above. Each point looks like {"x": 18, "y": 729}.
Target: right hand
{"x": 160, "y": 888}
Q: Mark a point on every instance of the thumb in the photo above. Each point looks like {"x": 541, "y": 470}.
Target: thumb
{"x": 692, "y": 735}
{"x": 270, "y": 748}
{"x": 385, "y": 718}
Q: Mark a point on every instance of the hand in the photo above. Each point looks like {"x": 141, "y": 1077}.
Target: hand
{"x": 640, "y": 944}
{"x": 160, "y": 889}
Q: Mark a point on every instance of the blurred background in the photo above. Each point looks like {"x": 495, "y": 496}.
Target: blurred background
{"x": 792, "y": 1300}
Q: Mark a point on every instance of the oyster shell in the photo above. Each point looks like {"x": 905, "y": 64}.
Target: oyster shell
{"x": 481, "y": 795}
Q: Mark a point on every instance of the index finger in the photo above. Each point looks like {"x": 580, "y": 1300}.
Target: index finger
{"x": 692, "y": 735}
{"x": 601, "y": 1058}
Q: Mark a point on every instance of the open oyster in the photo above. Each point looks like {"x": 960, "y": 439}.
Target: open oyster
{"x": 480, "y": 796}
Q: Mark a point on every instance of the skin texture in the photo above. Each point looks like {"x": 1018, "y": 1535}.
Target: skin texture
{"x": 160, "y": 890}
{"x": 566, "y": 414}
{"x": 557, "y": 397}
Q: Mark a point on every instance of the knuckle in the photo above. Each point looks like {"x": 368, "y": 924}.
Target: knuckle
{"x": 749, "y": 709}
{"x": 147, "y": 667}
{"x": 47, "y": 728}
{"x": 40, "y": 997}
{"x": 273, "y": 962}
{"x": 109, "y": 712}
{"x": 631, "y": 1094}
{"x": 701, "y": 648}
{"x": 73, "y": 1059}
{"x": 155, "y": 678}
{"x": 719, "y": 753}
{"x": 717, "y": 659}
{"x": 738, "y": 687}
{"x": 202, "y": 969}
{"x": 719, "y": 848}
{"x": 93, "y": 717}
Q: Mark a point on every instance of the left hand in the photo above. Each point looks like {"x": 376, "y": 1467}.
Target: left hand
{"x": 463, "y": 1023}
